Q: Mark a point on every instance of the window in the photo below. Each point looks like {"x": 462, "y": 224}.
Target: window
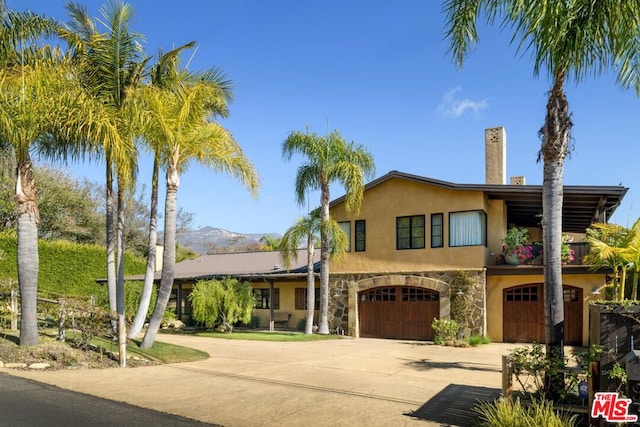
{"x": 410, "y": 232}
{"x": 437, "y": 233}
{"x": 361, "y": 235}
{"x": 419, "y": 294}
{"x": 379, "y": 294}
{"x": 467, "y": 228}
{"x": 262, "y": 298}
{"x": 523, "y": 294}
{"x": 301, "y": 299}
{"x": 346, "y": 227}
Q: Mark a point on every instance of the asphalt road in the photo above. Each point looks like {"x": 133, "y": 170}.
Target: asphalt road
{"x": 26, "y": 403}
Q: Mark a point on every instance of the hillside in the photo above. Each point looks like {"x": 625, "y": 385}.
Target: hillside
{"x": 212, "y": 239}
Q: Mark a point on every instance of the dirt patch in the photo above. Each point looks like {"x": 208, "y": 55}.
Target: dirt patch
{"x": 62, "y": 355}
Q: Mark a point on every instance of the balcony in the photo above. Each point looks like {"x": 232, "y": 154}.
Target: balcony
{"x": 581, "y": 249}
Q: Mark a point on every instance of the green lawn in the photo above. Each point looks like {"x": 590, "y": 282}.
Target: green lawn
{"x": 50, "y": 349}
{"x": 268, "y": 336}
{"x": 160, "y": 352}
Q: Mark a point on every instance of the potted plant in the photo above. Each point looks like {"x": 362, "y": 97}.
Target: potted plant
{"x": 516, "y": 249}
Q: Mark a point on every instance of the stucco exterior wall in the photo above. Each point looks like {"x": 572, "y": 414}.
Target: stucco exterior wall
{"x": 287, "y": 303}
{"x": 381, "y": 206}
{"x": 497, "y": 284}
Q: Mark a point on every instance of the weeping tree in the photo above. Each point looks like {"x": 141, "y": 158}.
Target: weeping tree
{"x": 570, "y": 39}
{"x": 222, "y": 303}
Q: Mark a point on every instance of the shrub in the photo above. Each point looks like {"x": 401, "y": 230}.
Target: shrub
{"x": 88, "y": 320}
{"x": 531, "y": 365}
{"x": 476, "y": 340}
{"x": 255, "y": 322}
{"x": 169, "y": 319}
{"x": 446, "y": 331}
{"x": 302, "y": 324}
{"x": 511, "y": 413}
{"x": 66, "y": 268}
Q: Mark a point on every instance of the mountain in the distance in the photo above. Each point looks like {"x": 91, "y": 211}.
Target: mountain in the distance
{"x": 211, "y": 240}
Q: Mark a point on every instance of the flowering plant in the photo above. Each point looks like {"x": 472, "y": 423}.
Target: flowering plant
{"x": 567, "y": 255}
{"x": 516, "y": 249}
{"x": 524, "y": 253}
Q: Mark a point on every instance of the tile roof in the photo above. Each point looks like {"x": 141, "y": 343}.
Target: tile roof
{"x": 244, "y": 264}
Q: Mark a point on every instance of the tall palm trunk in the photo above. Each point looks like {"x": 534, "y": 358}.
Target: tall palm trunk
{"x": 122, "y": 324}
{"x": 323, "y": 322}
{"x": 556, "y": 136}
{"x": 147, "y": 289}
{"x": 27, "y": 250}
{"x": 311, "y": 286}
{"x": 111, "y": 241}
{"x": 168, "y": 259}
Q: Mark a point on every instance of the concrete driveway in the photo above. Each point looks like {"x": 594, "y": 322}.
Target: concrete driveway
{"x": 348, "y": 382}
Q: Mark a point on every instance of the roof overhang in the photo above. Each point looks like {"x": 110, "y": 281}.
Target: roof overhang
{"x": 582, "y": 204}
{"x": 581, "y": 207}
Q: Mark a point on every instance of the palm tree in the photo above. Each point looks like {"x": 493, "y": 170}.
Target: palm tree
{"x": 329, "y": 159}
{"x": 270, "y": 243}
{"x": 31, "y": 107}
{"x": 572, "y": 38}
{"x": 308, "y": 228}
{"x": 163, "y": 75}
{"x": 112, "y": 64}
{"x": 634, "y": 256}
{"x": 609, "y": 248}
{"x": 181, "y": 120}
{"x": 41, "y": 104}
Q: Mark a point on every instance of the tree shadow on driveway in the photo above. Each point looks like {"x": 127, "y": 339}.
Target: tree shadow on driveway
{"x": 453, "y": 406}
{"x": 427, "y": 365}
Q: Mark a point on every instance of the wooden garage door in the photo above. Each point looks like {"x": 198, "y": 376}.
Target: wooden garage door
{"x": 572, "y": 315}
{"x": 523, "y": 310}
{"x": 400, "y": 312}
{"x": 523, "y": 314}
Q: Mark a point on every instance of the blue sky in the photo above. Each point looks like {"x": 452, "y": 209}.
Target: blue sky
{"x": 379, "y": 73}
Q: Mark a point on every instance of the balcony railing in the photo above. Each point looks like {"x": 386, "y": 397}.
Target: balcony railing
{"x": 581, "y": 249}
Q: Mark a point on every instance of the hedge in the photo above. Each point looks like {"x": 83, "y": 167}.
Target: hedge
{"x": 66, "y": 268}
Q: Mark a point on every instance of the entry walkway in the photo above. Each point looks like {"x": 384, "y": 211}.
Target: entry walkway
{"x": 348, "y": 382}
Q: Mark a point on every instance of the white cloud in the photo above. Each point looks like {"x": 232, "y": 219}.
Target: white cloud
{"x": 453, "y": 106}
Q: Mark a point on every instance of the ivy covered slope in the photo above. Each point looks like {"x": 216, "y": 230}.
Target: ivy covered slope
{"x": 66, "y": 268}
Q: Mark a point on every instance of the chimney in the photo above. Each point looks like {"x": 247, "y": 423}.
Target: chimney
{"x": 518, "y": 180}
{"x": 495, "y": 149}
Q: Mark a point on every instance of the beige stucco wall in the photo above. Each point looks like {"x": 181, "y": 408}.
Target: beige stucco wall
{"x": 396, "y": 197}
{"x": 497, "y": 284}
{"x": 287, "y": 303}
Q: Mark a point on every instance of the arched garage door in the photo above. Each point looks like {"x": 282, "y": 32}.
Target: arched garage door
{"x": 523, "y": 314}
{"x": 401, "y": 312}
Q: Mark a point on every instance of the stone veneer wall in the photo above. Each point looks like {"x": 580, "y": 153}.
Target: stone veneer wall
{"x": 344, "y": 288}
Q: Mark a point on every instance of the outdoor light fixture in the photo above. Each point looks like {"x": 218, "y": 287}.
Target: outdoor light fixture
{"x": 595, "y": 290}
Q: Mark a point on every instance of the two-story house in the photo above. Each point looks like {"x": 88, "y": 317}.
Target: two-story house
{"x": 409, "y": 242}
{"x": 414, "y": 234}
